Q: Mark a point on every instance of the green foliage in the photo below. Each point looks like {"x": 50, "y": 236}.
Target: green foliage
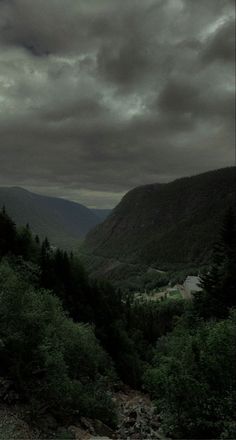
{"x": 153, "y": 318}
{"x": 193, "y": 379}
{"x": 49, "y": 357}
{"x": 219, "y": 282}
{"x": 65, "y": 366}
{"x": 7, "y": 234}
{"x": 88, "y": 302}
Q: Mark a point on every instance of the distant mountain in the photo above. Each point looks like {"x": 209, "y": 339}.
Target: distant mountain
{"x": 102, "y": 214}
{"x": 62, "y": 221}
{"x": 163, "y": 226}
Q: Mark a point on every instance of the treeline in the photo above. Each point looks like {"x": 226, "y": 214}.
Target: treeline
{"x": 66, "y": 342}
{"x": 51, "y": 362}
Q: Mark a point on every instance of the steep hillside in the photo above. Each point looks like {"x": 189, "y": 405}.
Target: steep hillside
{"x": 165, "y": 226}
{"x": 62, "y": 221}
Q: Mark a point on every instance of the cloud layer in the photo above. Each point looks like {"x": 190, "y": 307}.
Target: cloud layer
{"x": 99, "y": 96}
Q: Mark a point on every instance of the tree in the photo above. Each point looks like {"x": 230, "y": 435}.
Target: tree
{"x": 193, "y": 380}
{"x": 49, "y": 358}
{"x": 7, "y": 234}
{"x": 219, "y": 282}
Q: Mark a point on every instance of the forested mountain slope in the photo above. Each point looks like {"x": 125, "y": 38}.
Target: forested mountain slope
{"x": 71, "y": 340}
{"x": 166, "y": 225}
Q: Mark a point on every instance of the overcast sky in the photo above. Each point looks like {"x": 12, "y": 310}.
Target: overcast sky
{"x": 99, "y": 96}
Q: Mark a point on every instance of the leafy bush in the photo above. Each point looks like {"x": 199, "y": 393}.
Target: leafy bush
{"x": 193, "y": 379}
{"x": 49, "y": 357}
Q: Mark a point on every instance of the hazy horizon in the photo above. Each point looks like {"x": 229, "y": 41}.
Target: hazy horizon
{"x": 77, "y": 199}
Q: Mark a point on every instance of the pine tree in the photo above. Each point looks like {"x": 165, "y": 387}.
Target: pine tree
{"x": 7, "y": 234}
{"x": 219, "y": 283}
{"x": 45, "y": 262}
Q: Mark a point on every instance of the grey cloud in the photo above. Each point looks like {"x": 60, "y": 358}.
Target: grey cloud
{"x": 184, "y": 98}
{"x": 73, "y": 109}
{"x": 178, "y": 96}
{"x": 98, "y": 97}
{"x": 40, "y": 27}
{"x": 221, "y": 46}
{"x": 125, "y": 65}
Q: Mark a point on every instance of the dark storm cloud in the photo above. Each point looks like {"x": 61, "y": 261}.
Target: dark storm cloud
{"x": 97, "y": 97}
{"x": 221, "y": 46}
{"x": 40, "y": 27}
{"x": 178, "y": 96}
{"x": 186, "y": 99}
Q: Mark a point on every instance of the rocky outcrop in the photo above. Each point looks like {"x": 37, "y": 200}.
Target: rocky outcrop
{"x": 137, "y": 417}
{"x": 137, "y": 420}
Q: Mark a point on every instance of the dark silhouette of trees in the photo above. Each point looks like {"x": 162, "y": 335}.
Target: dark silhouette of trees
{"x": 8, "y": 234}
{"x": 219, "y": 282}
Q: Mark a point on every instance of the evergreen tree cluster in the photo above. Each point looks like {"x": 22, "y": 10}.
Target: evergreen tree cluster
{"x": 193, "y": 374}
{"x": 67, "y": 341}
{"x": 51, "y": 361}
{"x": 46, "y": 298}
{"x": 219, "y": 281}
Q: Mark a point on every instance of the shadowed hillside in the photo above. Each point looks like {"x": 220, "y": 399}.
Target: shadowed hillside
{"x": 165, "y": 225}
{"x": 63, "y": 221}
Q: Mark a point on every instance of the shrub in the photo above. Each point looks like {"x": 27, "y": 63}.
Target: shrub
{"x": 47, "y": 355}
{"x": 193, "y": 379}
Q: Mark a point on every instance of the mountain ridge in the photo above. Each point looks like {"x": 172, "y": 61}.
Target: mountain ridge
{"x": 64, "y": 222}
{"x": 166, "y": 225}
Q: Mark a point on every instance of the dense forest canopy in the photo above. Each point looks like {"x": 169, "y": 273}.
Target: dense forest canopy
{"x": 66, "y": 342}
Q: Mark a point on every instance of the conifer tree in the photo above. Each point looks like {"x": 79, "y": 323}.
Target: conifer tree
{"x": 7, "y": 234}
{"x": 219, "y": 282}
